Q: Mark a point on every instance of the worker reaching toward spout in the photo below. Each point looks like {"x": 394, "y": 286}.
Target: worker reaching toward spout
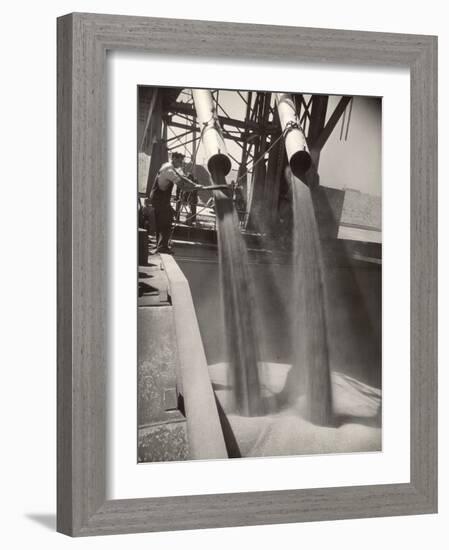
{"x": 170, "y": 174}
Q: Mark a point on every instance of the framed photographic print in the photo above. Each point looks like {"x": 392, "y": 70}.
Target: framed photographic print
{"x": 246, "y": 274}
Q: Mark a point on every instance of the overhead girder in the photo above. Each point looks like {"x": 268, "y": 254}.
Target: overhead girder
{"x": 187, "y": 108}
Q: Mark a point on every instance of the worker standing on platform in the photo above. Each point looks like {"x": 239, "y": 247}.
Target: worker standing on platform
{"x": 170, "y": 173}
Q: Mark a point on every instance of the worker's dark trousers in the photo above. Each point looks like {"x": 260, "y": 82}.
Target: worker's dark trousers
{"x": 163, "y": 214}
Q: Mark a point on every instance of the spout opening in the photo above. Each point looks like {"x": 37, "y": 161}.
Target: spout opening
{"x": 219, "y": 164}
{"x": 300, "y": 162}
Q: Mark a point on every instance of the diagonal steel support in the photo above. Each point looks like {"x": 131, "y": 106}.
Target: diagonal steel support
{"x": 321, "y": 140}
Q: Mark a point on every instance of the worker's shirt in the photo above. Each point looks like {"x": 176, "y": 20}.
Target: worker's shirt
{"x": 168, "y": 175}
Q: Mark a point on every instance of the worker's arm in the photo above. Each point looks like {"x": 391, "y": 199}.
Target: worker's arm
{"x": 185, "y": 181}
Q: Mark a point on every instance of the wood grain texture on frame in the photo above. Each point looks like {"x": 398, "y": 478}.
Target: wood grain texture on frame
{"x": 83, "y": 40}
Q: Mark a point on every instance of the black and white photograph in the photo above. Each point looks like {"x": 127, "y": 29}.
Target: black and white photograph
{"x": 259, "y": 274}
{"x": 223, "y": 232}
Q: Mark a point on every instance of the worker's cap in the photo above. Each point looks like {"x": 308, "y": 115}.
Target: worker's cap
{"x": 177, "y": 155}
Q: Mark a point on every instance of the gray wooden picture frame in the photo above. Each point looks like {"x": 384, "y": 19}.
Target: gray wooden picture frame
{"x": 83, "y": 40}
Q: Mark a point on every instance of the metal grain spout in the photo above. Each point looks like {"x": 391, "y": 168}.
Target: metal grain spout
{"x": 295, "y": 141}
{"x": 218, "y": 162}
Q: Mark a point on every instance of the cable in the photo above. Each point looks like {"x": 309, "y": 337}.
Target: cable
{"x": 291, "y": 125}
